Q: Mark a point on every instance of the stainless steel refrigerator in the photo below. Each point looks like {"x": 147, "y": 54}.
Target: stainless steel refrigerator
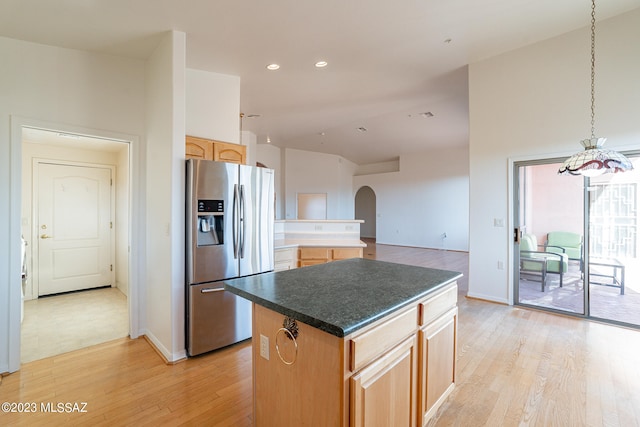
{"x": 230, "y": 220}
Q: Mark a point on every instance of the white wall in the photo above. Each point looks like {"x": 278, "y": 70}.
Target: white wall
{"x": 213, "y": 105}
{"x": 534, "y": 102}
{"x": 270, "y": 156}
{"x": 309, "y": 172}
{"x": 44, "y": 84}
{"x": 426, "y": 198}
{"x": 165, "y": 100}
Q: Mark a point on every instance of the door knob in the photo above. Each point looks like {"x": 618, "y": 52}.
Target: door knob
{"x": 46, "y": 236}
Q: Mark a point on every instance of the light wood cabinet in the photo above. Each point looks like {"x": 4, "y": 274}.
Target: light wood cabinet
{"x": 394, "y": 372}
{"x": 437, "y": 343}
{"x": 208, "y": 149}
{"x": 383, "y": 393}
{"x": 319, "y": 255}
{"x": 198, "y": 148}
{"x": 285, "y": 259}
{"x": 227, "y": 152}
{"x": 437, "y": 363}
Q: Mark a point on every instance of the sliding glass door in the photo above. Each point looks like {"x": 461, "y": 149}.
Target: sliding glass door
{"x": 613, "y": 264}
{"x": 550, "y": 215}
{"x": 555, "y": 254}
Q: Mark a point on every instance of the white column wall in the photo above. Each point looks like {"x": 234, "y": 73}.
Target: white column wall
{"x": 165, "y": 100}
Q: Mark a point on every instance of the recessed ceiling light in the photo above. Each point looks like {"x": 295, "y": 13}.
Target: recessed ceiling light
{"x": 272, "y": 67}
{"x": 447, "y": 41}
{"x": 427, "y": 114}
{"x": 321, "y": 64}
{"x": 362, "y": 129}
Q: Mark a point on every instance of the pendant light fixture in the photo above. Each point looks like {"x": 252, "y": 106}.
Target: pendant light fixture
{"x": 594, "y": 160}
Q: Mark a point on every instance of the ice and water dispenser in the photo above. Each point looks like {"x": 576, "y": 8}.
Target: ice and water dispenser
{"x": 210, "y": 222}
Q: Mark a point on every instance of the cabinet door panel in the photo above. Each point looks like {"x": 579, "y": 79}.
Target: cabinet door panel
{"x": 383, "y": 393}
{"x": 198, "y": 148}
{"x": 227, "y": 152}
{"x": 437, "y": 363}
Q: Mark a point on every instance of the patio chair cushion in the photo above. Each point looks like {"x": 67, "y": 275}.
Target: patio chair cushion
{"x": 531, "y": 257}
{"x": 570, "y": 242}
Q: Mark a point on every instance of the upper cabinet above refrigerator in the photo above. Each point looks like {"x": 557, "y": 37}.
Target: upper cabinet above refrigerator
{"x": 208, "y": 149}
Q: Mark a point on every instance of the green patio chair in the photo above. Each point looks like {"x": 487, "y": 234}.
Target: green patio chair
{"x": 565, "y": 242}
{"x": 539, "y": 263}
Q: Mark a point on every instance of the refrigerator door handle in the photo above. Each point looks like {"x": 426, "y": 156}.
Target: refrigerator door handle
{"x": 235, "y": 221}
{"x": 243, "y": 222}
{"x": 209, "y": 290}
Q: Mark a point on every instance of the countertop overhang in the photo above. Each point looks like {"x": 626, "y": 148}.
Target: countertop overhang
{"x": 341, "y": 297}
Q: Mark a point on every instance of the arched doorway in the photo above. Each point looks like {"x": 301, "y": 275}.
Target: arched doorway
{"x": 365, "y": 209}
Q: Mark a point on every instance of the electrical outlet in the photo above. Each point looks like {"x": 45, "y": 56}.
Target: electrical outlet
{"x": 264, "y": 346}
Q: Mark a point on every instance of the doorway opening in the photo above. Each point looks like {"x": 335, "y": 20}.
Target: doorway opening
{"x": 365, "y": 209}
{"x": 576, "y": 247}
{"x": 75, "y": 223}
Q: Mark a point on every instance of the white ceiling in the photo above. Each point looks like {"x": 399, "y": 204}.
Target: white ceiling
{"x": 389, "y": 60}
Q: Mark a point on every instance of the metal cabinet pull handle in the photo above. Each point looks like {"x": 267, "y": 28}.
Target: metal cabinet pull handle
{"x": 208, "y": 290}
{"x": 46, "y": 236}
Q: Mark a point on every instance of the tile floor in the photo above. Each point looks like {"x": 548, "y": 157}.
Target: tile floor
{"x": 606, "y": 302}
{"x": 62, "y": 323}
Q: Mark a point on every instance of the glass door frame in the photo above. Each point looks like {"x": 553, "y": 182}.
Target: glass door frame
{"x": 517, "y": 231}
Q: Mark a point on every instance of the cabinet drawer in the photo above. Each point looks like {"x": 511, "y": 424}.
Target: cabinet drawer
{"x": 434, "y": 307}
{"x": 366, "y": 347}
{"x": 281, "y": 255}
{"x": 314, "y": 253}
{"x": 346, "y": 253}
{"x": 308, "y": 262}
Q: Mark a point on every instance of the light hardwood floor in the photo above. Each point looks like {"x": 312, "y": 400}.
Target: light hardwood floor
{"x": 514, "y": 367}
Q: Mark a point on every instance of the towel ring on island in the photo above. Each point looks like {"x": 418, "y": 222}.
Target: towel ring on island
{"x": 290, "y": 329}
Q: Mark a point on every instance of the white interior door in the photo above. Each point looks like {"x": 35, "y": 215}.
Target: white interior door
{"x": 74, "y": 227}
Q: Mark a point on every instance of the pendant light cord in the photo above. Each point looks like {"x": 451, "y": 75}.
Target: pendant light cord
{"x": 593, "y": 68}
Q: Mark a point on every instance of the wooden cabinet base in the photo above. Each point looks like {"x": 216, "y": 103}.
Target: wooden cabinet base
{"x": 393, "y": 372}
{"x": 307, "y": 392}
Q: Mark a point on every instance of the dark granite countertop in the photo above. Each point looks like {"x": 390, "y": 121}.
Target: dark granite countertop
{"x": 341, "y": 297}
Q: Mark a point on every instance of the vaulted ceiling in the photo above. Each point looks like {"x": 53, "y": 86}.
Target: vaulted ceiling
{"x": 396, "y": 76}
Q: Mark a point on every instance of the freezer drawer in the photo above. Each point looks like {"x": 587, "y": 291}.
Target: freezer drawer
{"x": 215, "y": 318}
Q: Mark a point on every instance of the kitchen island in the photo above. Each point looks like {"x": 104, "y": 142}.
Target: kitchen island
{"x": 351, "y": 343}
